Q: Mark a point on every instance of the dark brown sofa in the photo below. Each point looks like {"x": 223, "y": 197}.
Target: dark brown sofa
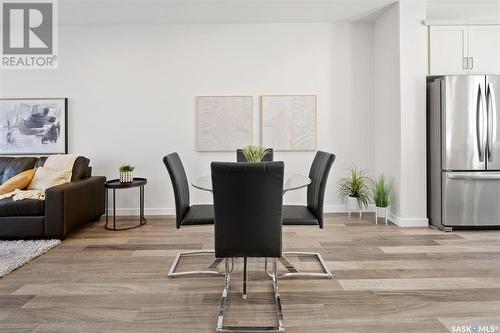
{"x": 65, "y": 208}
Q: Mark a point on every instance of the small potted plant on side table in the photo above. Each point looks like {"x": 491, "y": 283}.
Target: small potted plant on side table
{"x": 355, "y": 189}
{"x": 126, "y": 173}
{"x": 381, "y": 191}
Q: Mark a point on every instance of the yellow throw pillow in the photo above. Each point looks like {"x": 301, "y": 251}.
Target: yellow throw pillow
{"x": 45, "y": 178}
{"x": 18, "y": 182}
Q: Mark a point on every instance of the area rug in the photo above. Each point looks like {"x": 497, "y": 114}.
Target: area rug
{"x": 14, "y": 254}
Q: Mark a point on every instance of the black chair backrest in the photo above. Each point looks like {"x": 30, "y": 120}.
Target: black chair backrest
{"x": 180, "y": 183}
{"x": 269, "y": 157}
{"x": 248, "y": 199}
{"x": 320, "y": 169}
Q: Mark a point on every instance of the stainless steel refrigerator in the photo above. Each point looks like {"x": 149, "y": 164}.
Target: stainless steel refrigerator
{"x": 463, "y": 151}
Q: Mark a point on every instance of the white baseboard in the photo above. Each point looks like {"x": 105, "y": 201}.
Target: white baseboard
{"x": 343, "y": 209}
{"x": 147, "y": 211}
{"x": 408, "y": 222}
{"x": 397, "y": 220}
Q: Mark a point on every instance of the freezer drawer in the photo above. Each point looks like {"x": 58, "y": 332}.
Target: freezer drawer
{"x": 471, "y": 198}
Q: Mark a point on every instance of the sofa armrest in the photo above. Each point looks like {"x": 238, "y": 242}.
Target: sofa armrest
{"x": 73, "y": 204}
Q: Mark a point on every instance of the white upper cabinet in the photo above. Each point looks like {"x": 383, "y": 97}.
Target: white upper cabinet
{"x": 448, "y": 50}
{"x": 464, "y": 50}
{"x": 484, "y": 49}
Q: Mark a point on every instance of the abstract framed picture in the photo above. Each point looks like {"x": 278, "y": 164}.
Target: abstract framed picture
{"x": 33, "y": 126}
{"x": 288, "y": 122}
{"x": 224, "y": 122}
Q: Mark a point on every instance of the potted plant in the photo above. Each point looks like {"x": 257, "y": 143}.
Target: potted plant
{"x": 381, "y": 192}
{"x": 254, "y": 153}
{"x": 355, "y": 189}
{"x": 126, "y": 173}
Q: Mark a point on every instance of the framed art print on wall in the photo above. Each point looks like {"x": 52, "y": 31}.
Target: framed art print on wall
{"x": 224, "y": 123}
{"x": 288, "y": 122}
{"x": 33, "y": 126}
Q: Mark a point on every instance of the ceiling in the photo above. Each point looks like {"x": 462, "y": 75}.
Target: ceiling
{"x": 150, "y": 12}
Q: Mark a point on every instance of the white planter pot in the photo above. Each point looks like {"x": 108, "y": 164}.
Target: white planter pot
{"x": 126, "y": 177}
{"x": 354, "y": 206}
{"x": 381, "y": 212}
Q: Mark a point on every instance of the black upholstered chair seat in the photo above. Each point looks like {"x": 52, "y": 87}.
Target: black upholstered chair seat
{"x": 298, "y": 215}
{"x": 199, "y": 214}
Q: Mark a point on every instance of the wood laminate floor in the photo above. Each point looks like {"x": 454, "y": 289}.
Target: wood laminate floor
{"x": 386, "y": 279}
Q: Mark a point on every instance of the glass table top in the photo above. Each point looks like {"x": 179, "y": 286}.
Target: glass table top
{"x": 291, "y": 181}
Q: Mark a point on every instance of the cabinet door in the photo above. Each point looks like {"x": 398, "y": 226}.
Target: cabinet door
{"x": 484, "y": 49}
{"x": 448, "y": 50}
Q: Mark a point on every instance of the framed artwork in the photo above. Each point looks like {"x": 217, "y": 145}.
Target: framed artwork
{"x": 224, "y": 122}
{"x": 33, "y": 126}
{"x": 288, "y": 122}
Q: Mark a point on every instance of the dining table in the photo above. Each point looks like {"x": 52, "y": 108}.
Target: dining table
{"x": 291, "y": 181}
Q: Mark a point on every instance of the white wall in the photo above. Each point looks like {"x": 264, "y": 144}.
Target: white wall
{"x": 132, "y": 91}
{"x": 387, "y": 101}
{"x": 400, "y": 122}
{"x": 413, "y": 62}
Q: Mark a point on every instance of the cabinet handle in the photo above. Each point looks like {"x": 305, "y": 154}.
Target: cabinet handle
{"x": 471, "y": 66}
{"x": 466, "y": 63}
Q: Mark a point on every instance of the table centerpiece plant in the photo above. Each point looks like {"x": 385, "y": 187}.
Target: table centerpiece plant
{"x": 254, "y": 153}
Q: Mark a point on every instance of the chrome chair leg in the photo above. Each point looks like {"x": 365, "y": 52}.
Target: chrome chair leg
{"x": 277, "y": 300}
{"x": 245, "y": 278}
{"x": 293, "y": 273}
{"x": 216, "y": 262}
{"x": 172, "y": 273}
{"x": 288, "y": 265}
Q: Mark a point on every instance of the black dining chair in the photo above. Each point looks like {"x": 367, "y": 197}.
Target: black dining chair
{"x": 248, "y": 200}
{"x": 240, "y": 157}
{"x": 312, "y": 213}
{"x": 185, "y": 213}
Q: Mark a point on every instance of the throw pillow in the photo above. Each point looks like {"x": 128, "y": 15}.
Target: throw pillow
{"x": 18, "y": 182}
{"x": 45, "y": 178}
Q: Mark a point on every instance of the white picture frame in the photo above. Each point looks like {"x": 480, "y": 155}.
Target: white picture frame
{"x": 224, "y": 123}
{"x": 289, "y": 122}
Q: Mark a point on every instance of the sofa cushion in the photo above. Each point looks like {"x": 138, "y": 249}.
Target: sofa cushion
{"x": 80, "y": 168}
{"x": 22, "y": 227}
{"x": 26, "y": 207}
{"x": 18, "y": 182}
{"x": 45, "y": 178}
{"x": 11, "y": 166}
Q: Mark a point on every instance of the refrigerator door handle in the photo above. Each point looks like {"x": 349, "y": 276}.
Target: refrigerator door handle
{"x": 492, "y": 121}
{"x": 469, "y": 176}
{"x": 480, "y": 124}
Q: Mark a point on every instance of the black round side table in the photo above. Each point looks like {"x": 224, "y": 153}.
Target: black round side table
{"x": 114, "y": 185}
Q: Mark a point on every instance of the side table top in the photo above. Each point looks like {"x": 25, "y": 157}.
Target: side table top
{"x": 115, "y": 183}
